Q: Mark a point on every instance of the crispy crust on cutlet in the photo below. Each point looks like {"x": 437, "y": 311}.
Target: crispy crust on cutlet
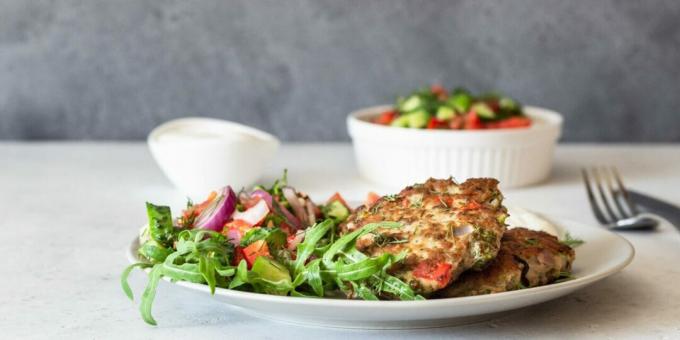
{"x": 445, "y": 224}
{"x": 527, "y": 258}
{"x": 504, "y": 273}
{"x": 544, "y": 254}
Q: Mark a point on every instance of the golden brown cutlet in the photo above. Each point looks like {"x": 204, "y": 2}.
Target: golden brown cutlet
{"x": 447, "y": 228}
{"x": 527, "y": 258}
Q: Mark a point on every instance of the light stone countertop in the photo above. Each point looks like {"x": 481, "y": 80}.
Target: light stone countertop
{"x": 70, "y": 209}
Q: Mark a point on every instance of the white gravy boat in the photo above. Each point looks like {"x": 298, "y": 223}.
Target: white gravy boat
{"x": 199, "y": 155}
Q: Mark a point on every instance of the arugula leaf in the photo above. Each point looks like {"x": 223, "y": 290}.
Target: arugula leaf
{"x": 379, "y": 279}
{"x": 350, "y": 238}
{"x": 364, "y": 292}
{"x": 149, "y": 294}
{"x": 201, "y": 256}
{"x": 306, "y": 248}
{"x": 399, "y": 288}
{"x": 206, "y": 267}
{"x": 181, "y": 271}
{"x": 252, "y": 235}
{"x": 275, "y": 237}
{"x": 241, "y": 275}
{"x": 153, "y": 251}
{"x": 313, "y": 276}
{"x": 126, "y": 273}
{"x": 362, "y": 269}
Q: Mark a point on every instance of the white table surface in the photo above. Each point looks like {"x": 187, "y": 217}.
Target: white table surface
{"x": 68, "y": 210}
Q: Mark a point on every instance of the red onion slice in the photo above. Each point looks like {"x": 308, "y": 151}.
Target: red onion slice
{"x": 294, "y": 201}
{"x": 218, "y": 212}
{"x": 292, "y": 220}
{"x": 265, "y": 196}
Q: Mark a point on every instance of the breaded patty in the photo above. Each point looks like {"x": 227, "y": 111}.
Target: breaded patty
{"x": 448, "y": 228}
{"x": 527, "y": 258}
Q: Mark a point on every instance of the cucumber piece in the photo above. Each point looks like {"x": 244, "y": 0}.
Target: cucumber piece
{"x": 508, "y": 104}
{"x": 460, "y": 102}
{"x": 445, "y": 113}
{"x": 410, "y": 104}
{"x": 335, "y": 211}
{"x": 401, "y": 121}
{"x": 271, "y": 271}
{"x": 483, "y": 110}
{"x": 418, "y": 119}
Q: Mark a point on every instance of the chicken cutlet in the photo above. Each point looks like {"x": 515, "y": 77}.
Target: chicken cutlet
{"x": 527, "y": 258}
{"x": 447, "y": 228}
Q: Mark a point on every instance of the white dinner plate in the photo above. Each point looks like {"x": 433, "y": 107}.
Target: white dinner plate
{"x": 603, "y": 254}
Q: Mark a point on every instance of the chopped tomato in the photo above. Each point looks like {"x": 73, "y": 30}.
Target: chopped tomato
{"x": 439, "y": 91}
{"x": 337, "y": 197}
{"x": 472, "y": 205}
{"x": 240, "y": 225}
{"x": 371, "y": 198}
{"x": 238, "y": 256}
{"x": 293, "y": 240}
{"x": 235, "y": 230}
{"x": 514, "y": 122}
{"x": 473, "y": 122}
{"x": 286, "y": 228}
{"x": 196, "y": 209}
{"x": 386, "y": 118}
{"x": 445, "y": 200}
{"x": 439, "y": 272}
{"x": 255, "y": 250}
{"x": 457, "y": 122}
{"x": 435, "y": 123}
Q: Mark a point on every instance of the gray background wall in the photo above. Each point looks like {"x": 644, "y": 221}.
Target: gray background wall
{"x": 114, "y": 69}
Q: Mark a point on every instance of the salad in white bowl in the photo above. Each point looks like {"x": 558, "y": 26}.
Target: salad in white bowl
{"x": 437, "y": 133}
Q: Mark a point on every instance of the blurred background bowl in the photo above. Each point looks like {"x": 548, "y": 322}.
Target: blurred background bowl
{"x": 199, "y": 155}
{"x": 393, "y": 156}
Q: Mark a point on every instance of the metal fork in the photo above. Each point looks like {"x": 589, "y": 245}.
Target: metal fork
{"x": 611, "y": 203}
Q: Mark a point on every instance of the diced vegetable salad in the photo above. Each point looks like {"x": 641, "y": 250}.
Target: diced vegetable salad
{"x": 270, "y": 240}
{"x": 437, "y": 108}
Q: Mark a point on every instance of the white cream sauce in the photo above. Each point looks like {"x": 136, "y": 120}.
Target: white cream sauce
{"x": 523, "y": 218}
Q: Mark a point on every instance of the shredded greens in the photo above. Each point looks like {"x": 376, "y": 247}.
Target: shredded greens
{"x": 322, "y": 263}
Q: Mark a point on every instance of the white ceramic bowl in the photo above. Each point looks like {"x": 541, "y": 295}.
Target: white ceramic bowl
{"x": 203, "y": 154}
{"x": 393, "y": 156}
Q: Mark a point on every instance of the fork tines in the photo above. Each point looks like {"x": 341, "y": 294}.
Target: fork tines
{"x": 608, "y": 196}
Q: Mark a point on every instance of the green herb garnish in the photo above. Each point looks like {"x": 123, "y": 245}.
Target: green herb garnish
{"x": 570, "y": 241}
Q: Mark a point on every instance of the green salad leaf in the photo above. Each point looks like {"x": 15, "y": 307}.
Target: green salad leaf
{"x": 312, "y": 237}
{"x": 201, "y": 256}
{"x": 322, "y": 264}
{"x": 154, "y": 252}
{"x": 126, "y": 273}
